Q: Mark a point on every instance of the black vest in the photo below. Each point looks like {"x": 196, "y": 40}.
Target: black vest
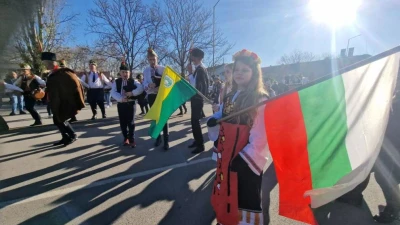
{"x": 130, "y": 86}
{"x": 32, "y": 86}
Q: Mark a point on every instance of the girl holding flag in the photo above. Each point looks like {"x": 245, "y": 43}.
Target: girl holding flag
{"x": 242, "y": 146}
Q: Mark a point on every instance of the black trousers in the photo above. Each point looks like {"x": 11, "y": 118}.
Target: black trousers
{"x": 30, "y": 107}
{"x": 197, "y": 111}
{"x": 95, "y": 97}
{"x": 65, "y": 128}
{"x": 387, "y": 174}
{"x": 184, "y": 107}
{"x": 152, "y": 98}
{"x": 126, "y": 113}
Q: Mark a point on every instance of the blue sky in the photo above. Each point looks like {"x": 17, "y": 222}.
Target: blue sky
{"x": 272, "y": 28}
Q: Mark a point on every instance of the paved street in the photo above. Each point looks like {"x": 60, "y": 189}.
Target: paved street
{"x": 95, "y": 181}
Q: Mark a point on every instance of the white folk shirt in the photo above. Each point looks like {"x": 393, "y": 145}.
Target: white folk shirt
{"x": 120, "y": 96}
{"x": 192, "y": 78}
{"x": 28, "y": 82}
{"x": 147, "y": 73}
{"x": 98, "y": 83}
{"x": 256, "y": 152}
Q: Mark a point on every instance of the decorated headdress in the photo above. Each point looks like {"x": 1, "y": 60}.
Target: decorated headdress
{"x": 92, "y": 62}
{"x": 123, "y": 65}
{"x": 151, "y": 52}
{"x": 25, "y": 66}
{"x": 247, "y": 53}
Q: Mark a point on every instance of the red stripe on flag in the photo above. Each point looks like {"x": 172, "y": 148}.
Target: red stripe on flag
{"x": 287, "y": 141}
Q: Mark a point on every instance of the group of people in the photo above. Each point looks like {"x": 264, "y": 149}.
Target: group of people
{"x": 240, "y": 148}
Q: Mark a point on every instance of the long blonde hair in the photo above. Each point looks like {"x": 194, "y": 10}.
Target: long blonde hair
{"x": 254, "y": 92}
{"x": 228, "y": 83}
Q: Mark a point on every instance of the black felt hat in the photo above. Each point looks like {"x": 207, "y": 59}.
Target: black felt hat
{"x": 123, "y": 66}
{"x": 92, "y": 62}
{"x": 198, "y": 53}
{"x": 49, "y": 56}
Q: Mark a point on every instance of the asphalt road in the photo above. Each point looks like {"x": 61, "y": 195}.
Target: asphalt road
{"x": 95, "y": 181}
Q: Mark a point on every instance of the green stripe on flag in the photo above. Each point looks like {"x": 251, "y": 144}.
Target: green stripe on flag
{"x": 324, "y": 111}
{"x": 180, "y": 93}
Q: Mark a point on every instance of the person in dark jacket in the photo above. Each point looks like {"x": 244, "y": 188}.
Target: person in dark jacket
{"x": 199, "y": 79}
{"x": 66, "y": 97}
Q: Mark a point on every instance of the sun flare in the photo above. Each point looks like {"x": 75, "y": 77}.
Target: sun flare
{"x": 334, "y": 13}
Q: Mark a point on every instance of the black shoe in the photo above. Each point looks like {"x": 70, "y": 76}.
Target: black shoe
{"x": 94, "y": 117}
{"x": 387, "y": 216}
{"x": 104, "y": 116}
{"x": 74, "y": 138}
{"x": 158, "y": 141}
{"x": 193, "y": 145}
{"x": 142, "y": 113}
{"x": 132, "y": 143}
{"x": 166, "y": 145}
{"x": 198, "y": 149}
{"x": 12, "y": 114}
{"x": 37, "y": 123}
{"x": 180, "y": 114}
{"x": 59, "y": 142}
{"x": 185, "y": 111}
{"x": 73, "y": 120}
{"x": 68, "y": 141}
{"x": 22, "y": 112}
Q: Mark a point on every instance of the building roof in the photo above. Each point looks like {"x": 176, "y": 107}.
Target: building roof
{"x": 314, "y": 69}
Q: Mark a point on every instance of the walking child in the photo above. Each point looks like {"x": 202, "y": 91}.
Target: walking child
{"x": 126, "y": 91}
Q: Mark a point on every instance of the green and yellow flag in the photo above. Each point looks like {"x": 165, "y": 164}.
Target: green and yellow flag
{"x": 173, "y": 92}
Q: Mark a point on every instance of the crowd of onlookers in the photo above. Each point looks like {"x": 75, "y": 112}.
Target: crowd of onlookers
{"x": 16, "y": 99}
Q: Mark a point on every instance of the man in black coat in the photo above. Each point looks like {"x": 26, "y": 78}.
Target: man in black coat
{"x": 199, "y": 80}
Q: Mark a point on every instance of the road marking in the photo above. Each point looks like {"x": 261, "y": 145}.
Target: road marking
{"x": 65, "y": 191}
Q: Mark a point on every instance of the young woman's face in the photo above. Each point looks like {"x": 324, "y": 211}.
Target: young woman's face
{"x": 228, "y": 73}
{"x": 242, "y": 74}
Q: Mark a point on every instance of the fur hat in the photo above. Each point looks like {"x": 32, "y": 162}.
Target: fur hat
{"x": 198, "y": 53}
{"x": 24, "y": 66}
{"x": 49, "y": 56}
{"x": 92, "y": 62}
{"x": 123, "y": 65}
{"x": 63, "y": 63}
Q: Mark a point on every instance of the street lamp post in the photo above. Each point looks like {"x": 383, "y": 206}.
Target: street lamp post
{"x": 214, "y": 36}
{"x": 348, "y": 42}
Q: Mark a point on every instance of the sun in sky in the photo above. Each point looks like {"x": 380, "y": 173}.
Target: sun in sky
{"x": 334, "y": 13}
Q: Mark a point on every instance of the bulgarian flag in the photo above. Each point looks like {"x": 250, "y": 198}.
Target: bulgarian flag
{"x": 173, "y": 92}
{"x": 325, "y": 138}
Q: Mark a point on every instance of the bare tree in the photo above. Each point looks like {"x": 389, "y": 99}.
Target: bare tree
{"x": 187, "y": 22}
{"x": 297, "y": 56}
{"x": 45, "y": 30}
{"x": 120, "y": 25}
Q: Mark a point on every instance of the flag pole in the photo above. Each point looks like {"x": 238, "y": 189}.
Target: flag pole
{"x": 243, "y": 111}
{"x": 338, "y": 72}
